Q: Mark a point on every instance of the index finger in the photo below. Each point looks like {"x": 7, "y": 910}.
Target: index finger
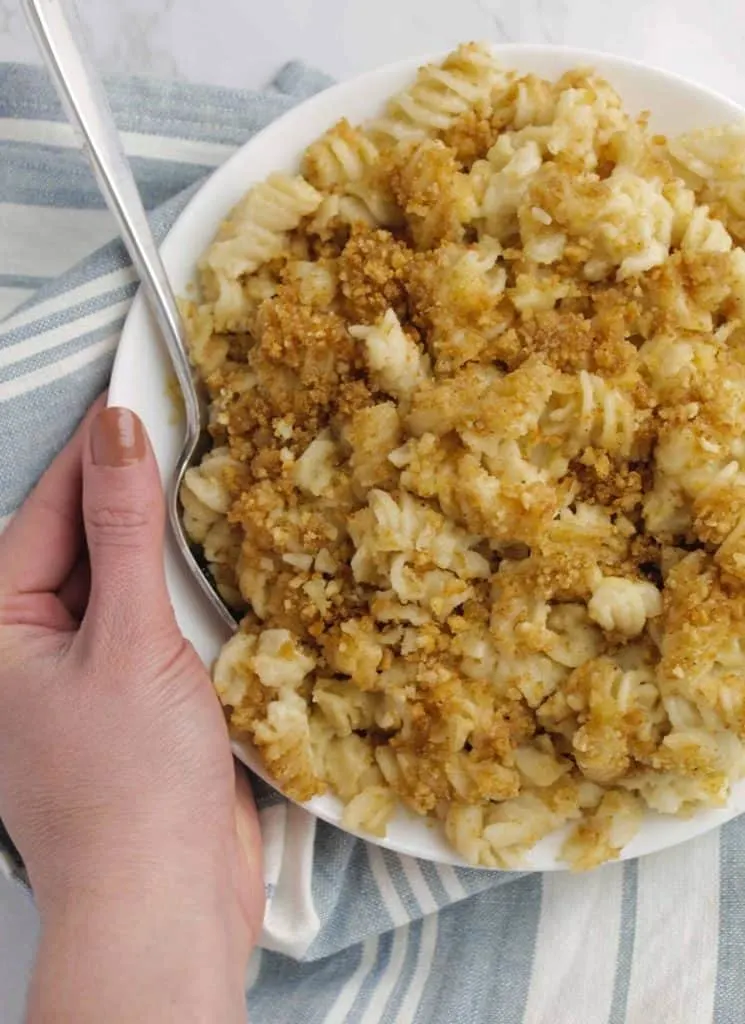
{"x": 39, "y": 547}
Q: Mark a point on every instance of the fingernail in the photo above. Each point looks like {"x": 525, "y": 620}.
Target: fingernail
{"x": 117, "y": 438}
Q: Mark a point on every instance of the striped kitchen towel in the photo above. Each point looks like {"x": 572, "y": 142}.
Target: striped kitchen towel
{"x": 353, "y": 933}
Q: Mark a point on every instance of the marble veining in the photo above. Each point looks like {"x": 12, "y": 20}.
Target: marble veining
{"x": 10, "y": 20}
{"x": 138, "y": 44}
{"x": 231, "y": 42}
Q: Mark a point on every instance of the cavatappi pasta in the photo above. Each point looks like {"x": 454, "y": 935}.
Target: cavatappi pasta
{"x": 477, "y": 489}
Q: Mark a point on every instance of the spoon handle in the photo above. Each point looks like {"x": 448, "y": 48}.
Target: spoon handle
{"x": 59, "y": 37}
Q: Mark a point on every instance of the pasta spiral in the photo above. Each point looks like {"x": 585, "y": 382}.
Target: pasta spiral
{"x": 344, "y": 154}
{"x": 394, "y": 359}
{"x": 439, "y": 95}
{"x": 624, "y": 605}
{"x": 592, "y": 411}
{"x": 254, "y": 232}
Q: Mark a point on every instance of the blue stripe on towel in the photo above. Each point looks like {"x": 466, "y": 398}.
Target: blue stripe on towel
{"x": 170, "y": 109}
{"x": 625, "y": 955}
{"x": 729, "y": 1000}
{"x": 44, "y": 175}
{"x": 27, "y": 281}
{"x": 493, "y": 936}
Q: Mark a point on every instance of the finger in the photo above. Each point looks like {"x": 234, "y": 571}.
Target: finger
{"x": 247, "y": 818}
{"x": 250, "y": 876}
{"x": 75, "y": 591}
{"x": 124, "y": 518}
{"x": 39, "y": 547}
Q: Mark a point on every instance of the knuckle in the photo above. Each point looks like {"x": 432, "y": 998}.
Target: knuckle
{"x": 118, "y": 524}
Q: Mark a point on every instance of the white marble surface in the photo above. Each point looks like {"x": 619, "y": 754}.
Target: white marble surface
{"x": 241, "y": 43}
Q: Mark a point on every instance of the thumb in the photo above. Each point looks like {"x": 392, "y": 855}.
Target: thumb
{"x": 124, "y": 517}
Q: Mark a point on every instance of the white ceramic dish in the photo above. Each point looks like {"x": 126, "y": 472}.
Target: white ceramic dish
{"x": 141, "y": 371}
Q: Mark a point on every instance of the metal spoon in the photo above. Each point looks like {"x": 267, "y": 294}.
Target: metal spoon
{"x": 55, "y": 28}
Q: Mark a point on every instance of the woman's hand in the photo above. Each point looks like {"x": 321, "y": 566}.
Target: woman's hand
{"x": 116, "y": 777}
